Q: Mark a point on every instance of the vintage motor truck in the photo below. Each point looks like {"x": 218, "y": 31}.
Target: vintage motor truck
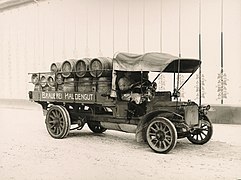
{"x": 87, "y": 92}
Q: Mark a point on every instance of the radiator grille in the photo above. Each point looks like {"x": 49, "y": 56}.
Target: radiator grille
{"x": 191, "y": 115}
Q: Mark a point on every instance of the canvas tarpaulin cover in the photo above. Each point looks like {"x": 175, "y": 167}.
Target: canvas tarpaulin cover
{"x": 158, "y": 62}
{"x": 155, "y": 62}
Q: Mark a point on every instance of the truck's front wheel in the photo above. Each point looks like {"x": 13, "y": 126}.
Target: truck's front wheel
{"x": 203, "y": 134}
{"x": 161, "y": 135}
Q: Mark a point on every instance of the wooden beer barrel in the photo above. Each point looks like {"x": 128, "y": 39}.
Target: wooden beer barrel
{"x": 55, "y": 67}
{"x": 35, "y": 79}
{"x": 43, "y": 80}
{"x": 85, "y": 85}
{"x": 82, "y": 67}
{"x": 101, "y": 66}
{"x": 59, "y": 78}
{"x": 51, "y": 81}
{"x": 104, "y": 85}
{"x": 68, "y": 67}
{"x": 69, "y": 85}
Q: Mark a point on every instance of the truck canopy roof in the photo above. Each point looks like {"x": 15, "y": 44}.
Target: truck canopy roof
{"x": 156, "y": 62}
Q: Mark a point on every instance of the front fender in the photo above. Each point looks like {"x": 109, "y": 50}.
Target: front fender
{"x": 143, "y": 123}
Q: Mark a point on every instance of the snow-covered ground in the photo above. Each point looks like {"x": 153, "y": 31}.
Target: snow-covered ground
{"x": 28, "y": 152}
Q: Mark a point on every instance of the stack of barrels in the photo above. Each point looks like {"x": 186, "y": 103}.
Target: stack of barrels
{"x": 84, "y": 75}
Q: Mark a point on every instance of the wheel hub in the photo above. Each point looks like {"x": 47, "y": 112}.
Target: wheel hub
{"x": 56, "y": 122}
{"x": 160, "y": 135}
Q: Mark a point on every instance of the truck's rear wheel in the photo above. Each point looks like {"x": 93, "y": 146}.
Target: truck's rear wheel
{"x": 203, "y": 134}
{"x": 161, "y": 135}
{"x": 96, "y": 127}
{"x": 58, "y": 121}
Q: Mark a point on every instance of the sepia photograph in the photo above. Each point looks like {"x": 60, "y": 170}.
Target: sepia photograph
{"x": 120, "y": 89}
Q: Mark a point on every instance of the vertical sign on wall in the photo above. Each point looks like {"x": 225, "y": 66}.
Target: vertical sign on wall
{"x": 222, "y": 87}
{"x": 222, "y": 77}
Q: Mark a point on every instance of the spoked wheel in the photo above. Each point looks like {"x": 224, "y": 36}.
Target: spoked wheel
{"x": 96, "y": 127}
{"x": 203, "y": 134}
{"x": 161, "y": 135}
{"x": 58, "y": 122}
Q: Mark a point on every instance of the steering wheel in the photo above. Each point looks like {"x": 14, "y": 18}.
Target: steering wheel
{"x": 148, "y": 87}
{"x": 141, "y": 84}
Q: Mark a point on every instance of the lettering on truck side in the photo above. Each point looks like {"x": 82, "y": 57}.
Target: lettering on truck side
{"x": 86, "y": 97}
{"x": 67, "y": 96}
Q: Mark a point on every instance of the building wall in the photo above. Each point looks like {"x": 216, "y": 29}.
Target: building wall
{"x": 33, "y": 36}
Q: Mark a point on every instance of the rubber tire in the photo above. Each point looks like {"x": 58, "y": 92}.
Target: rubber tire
{"x": 64, "y": 131}
{"x": 209, "y": 129}
{"x": 168, "y": 132}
